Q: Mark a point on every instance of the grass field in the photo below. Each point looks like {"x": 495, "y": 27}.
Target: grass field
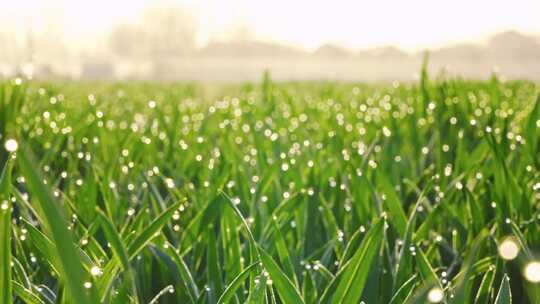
{"x": 270, "y": 193}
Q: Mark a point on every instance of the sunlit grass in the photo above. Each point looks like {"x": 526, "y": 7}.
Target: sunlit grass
{"x": 272, "y": 193}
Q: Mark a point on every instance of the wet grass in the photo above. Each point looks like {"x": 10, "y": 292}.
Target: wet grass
{"x": 270, "y": 193}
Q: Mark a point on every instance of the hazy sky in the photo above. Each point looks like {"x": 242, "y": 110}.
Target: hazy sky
{"x": 409, "y": 24}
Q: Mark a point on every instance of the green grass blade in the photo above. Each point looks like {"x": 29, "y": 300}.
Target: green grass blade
{"x": 283, "y": 253}
{"x": 393, "y": 205}
{"x": 426, "y": 270}
{"x": 71, "y": 266}
{"x": 505, "y": 295}
{"x": 482, "y": 296}
{"x": 26, "y": 294}
{"x": 404, "y": 291}
{"x": 213, "y": 272}
{"x": 286, "y": 290}
{"x": 186, "y": 275}
{"x": 44, "y": 246}
{"x": 117, "y": 246}
{"x": 164, "y": 291}
{"x": 353, "y": 276}
{"x": 531, "y": 131}
{"x": 5, "y": 235}
{"x": 149, "y": 233}
{"x": 463, "y": 278}
{"x": 231, "y": 289}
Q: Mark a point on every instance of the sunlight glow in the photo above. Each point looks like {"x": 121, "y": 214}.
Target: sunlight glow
{"x": 532, "y": 272}
{"x": 308, "y": 24}
{"x": 509, "y": 248}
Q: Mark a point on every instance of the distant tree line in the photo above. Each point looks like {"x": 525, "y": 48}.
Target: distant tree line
{"x": 160, "y": 32}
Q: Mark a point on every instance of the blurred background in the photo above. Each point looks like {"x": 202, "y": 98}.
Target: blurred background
{"x": 236, "y": 40}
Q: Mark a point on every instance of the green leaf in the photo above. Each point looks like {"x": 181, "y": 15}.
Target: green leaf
{"x": 118, "y": 248}
{"x": 214, "y": 275}
{"x": 164, "y": 291}
{"x": 485, "y": 287}
{"x": 505, "y": 295}
{"x": 187, "y": 278}
{"x": 531, "y": 130}
{"x": 463, "y": 278}
{"x": 149, "y": 233}
{"x": 70, "y": 264}
{"x": 26, "y": 294}
{"x": 236, "y": 283}
{"x": 196, "y": 226}
{"x": 427, "y": 272}
{"x": 397, "y": 217}
{"x": 286, "y": 290}
{"x": 283, "y": 253}
{"x": 44, "y": 246}
{"x": 352, "y": 277}
{"x": 404, "y": 291}
{"x": 5, "y": 235}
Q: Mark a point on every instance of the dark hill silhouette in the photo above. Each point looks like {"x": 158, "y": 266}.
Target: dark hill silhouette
{"x": 509, "y": 45}
{"x": 248, "y": 49}
{"x": 512, "y": 44}
{"x": 516, "y": 55}
{"x": 332, "y": 51}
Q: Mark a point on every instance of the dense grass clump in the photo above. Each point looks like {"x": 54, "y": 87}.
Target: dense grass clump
{"x": 278, "y": 193}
